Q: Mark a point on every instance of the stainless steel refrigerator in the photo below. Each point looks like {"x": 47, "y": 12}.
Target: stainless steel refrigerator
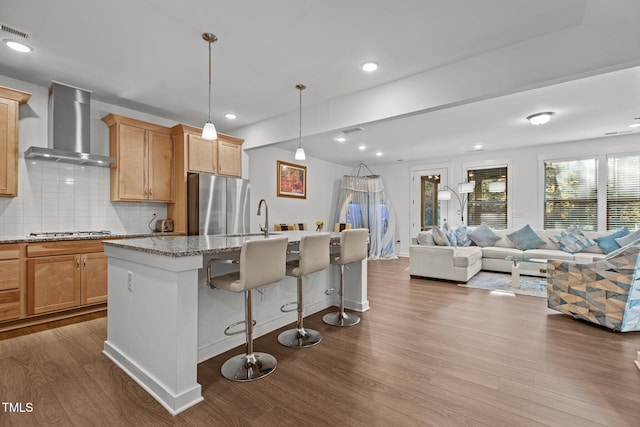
{"x": 217, "y": 204}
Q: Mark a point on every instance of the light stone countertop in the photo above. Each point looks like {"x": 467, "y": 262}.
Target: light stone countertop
{"x": 199, "y": 245}
{"x": 31, "y": 239}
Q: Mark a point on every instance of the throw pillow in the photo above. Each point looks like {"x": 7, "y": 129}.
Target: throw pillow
{"x": 439, "y": 236}
{"x": 462, "y": 238}
{"x": 608, "y": 243}
{"x": 451, "y": 235}
{"x": 425, "y": 238}
{"x": 572, "y": 240}
{"x": 624, "y": 241}
{"x": 526, "y": 238}
{"x": 483, "y": 236}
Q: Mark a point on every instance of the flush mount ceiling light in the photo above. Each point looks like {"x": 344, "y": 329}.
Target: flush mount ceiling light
{"x": 540, "y": 118}
{"x": 379, "y": 153}
{"x": 17, "y": 46}
{"x": 209, "y": 130}
{"x": 636, "y": 124}
{"x": 477, "y": 147}
{"x": 300, "y": 151}
{"x": 340, "y": 138}
{"x": 362, "y": 147}
{"x": 230, "y": 116}
{"x": 370, "y": 66}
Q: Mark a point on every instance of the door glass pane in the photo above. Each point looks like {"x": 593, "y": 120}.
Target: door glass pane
{"x": 429, "y": 208}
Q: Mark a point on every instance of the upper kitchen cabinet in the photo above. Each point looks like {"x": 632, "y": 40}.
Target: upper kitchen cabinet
{"x": 222, "y": 156}
{"x": 10, "y": 100}
{"x": 144, "y": 166}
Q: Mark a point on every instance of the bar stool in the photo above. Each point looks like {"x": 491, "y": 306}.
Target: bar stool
{"x": 353, "y": 248}
{"x": 262, "y": 262}
{"x": 313, "y": 256}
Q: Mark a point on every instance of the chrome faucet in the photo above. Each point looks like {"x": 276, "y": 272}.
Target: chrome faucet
{"x": 266, "y": 217}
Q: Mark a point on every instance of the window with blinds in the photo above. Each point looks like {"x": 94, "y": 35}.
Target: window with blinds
{"x": 487, "y": 206}
{"x": 623, "y": 192}
{"x": 571, "y": 194}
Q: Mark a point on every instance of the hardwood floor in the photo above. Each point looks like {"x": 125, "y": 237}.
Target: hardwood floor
{"x": 427, "y": 353}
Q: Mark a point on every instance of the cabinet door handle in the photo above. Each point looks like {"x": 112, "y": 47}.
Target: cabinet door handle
{"x": 84, "y": 263}
{"x": 150, "y": 191}
{"x": 77, "y": 264}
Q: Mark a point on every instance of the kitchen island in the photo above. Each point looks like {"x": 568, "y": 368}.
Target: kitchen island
{"x": 163, "y": 318}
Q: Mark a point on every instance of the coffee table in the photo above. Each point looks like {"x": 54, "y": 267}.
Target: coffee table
{"x": 516, "y": 267}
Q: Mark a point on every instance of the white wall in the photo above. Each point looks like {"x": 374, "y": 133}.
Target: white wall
{"x": 323, "y": 179}
{"x": 525, "y": 186}
{"x": 64, "y": 197}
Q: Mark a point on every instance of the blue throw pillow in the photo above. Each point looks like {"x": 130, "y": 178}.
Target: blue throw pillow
{"x": 572, "y": 240}
{"x": 461, "y": 236}
{"x": 608, "y": 243}
{"x": 526, "y": 238}
{"x": 439, "y": 236}
{"x": 451, "y": 235}
{"x": 483, "y": 236}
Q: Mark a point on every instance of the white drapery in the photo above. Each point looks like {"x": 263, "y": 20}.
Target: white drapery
{"x": 363, "y": 204}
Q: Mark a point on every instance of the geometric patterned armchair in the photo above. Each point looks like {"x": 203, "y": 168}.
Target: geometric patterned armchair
{"x": 605, "y": 292}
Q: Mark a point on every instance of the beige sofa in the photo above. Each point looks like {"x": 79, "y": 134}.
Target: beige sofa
{"x": 460, "y": 264}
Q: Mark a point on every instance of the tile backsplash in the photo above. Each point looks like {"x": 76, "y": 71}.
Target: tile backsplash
{"x": 56, "y": 196}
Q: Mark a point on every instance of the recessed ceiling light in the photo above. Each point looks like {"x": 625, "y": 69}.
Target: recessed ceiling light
{"x": 340, "y": 138}
{"x": 634, "y": 125}
{"x": 540, "y": 118}
{"x": 362, "y": 147}
{"x": 370, "y": 66}
{"x": 477, "y": 147}
{"x": 230, "y": 116}
{"x": 378, "y": 153}
{"x": 17, "y": 46}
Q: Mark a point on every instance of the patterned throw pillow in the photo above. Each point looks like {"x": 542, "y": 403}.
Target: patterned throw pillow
{"x": 461, "y": 236}
{"x": 439, "y": 236}
{"x": 451, "y": 235}
{"x": 608, "y": 243}
{"x": 525, "y": 238}
{"x": 483, "y": 236}
{"x": 572, "y": 240}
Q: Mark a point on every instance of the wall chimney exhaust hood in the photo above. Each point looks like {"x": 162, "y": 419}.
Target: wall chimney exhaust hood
{"x": 69, "y": 128}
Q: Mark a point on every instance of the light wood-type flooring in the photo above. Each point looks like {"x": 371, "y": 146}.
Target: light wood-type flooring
{"x": 427, "y": 353}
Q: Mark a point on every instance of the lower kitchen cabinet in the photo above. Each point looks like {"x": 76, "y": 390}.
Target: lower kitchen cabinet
{"x": 9, "y": 282}
{"x": 58, "y": 280}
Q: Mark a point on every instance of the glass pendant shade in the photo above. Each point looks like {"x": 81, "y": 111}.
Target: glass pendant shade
{"x": 300, "y": 154}
{"x": 300, "y": 151}
{"x": 209, "y": 131}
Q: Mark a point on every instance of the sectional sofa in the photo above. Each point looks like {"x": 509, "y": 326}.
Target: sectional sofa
{"x": 461, "y": 263}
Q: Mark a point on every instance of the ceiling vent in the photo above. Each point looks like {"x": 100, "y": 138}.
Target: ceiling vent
{"x": 351, "y": 130}
{"x": 14, "y": 32}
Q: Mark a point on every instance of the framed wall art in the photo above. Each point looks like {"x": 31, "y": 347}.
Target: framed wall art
{"x": 292, "y": 180}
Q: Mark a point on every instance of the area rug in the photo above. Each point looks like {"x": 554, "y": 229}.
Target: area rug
{"x": 529, "y": 285}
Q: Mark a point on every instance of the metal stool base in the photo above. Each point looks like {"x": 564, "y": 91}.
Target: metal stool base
{"x": 341, "y": 319}
{"x": 295, "y": 338}
{"x": 245, "y": 368}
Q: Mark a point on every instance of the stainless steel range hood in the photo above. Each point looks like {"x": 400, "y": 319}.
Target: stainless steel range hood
{"x": 69, "y": 128}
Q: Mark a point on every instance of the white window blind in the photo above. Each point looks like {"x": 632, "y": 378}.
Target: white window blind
{"x": 571, "y": 194}
{"x": 623, "y": 192}
{"x": 483, "y": 205}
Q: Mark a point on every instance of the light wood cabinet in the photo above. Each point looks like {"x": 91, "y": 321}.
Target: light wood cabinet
{"x": 194, "y": 154}
{"x": 9, "y": 282}
{"x": 144, "y": 166}
{"x": 229, "y": 156}
{"x": 63, "y": 275}
{"x": 9, "y": 103}
{"x": 203, "y": 154}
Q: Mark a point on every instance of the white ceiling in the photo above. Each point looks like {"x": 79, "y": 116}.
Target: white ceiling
{"x": 149, "y": 55}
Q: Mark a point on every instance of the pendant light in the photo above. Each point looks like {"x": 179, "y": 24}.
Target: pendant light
{"x": 300, "y": 151}
{"x": 209, "y": 130}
